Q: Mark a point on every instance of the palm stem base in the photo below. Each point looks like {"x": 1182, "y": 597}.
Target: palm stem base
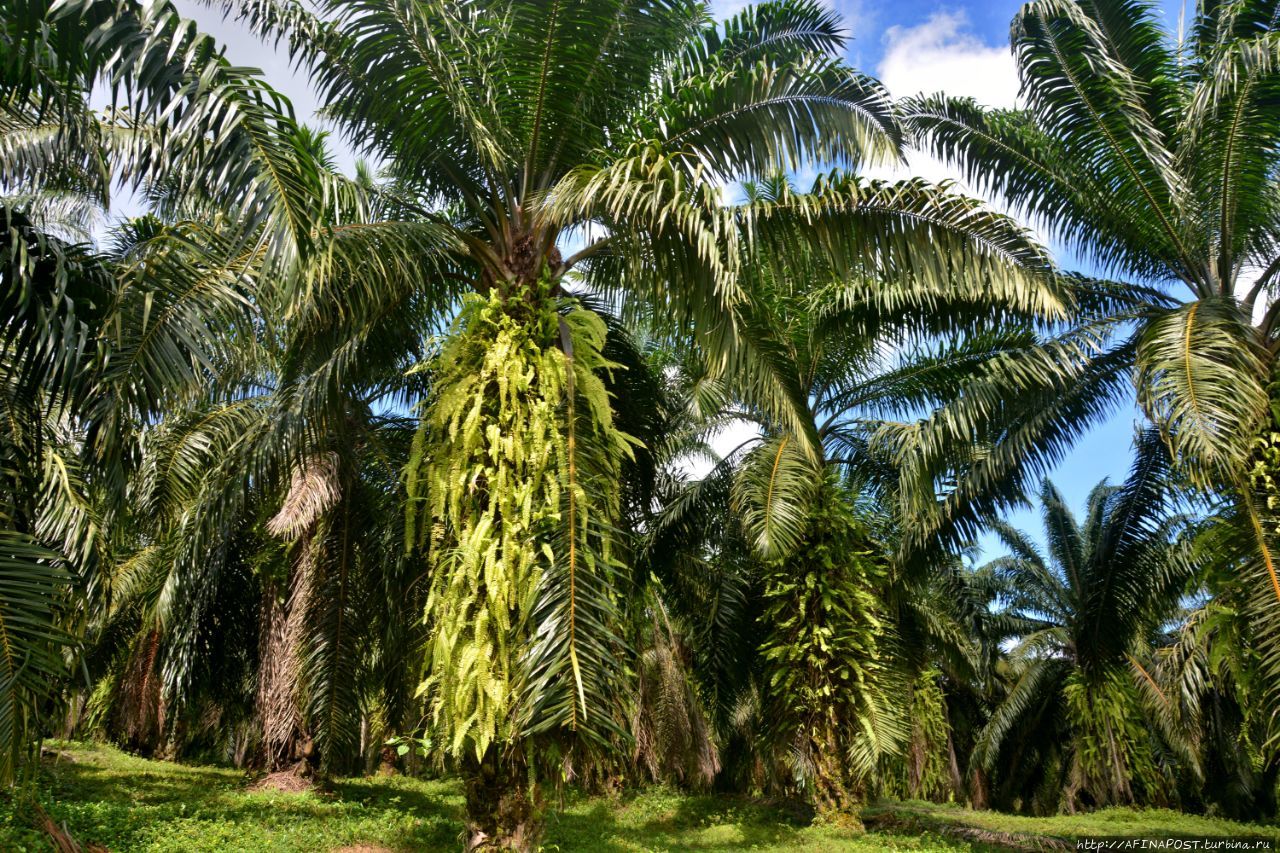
{"x": 502, "y": 811}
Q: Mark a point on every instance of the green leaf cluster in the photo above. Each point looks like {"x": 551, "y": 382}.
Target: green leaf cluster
{"x": 510, "y": 503}
{"x": 823, "y": 677}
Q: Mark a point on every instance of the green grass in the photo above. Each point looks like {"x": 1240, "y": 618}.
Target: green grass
{"x": 130, "y": 804}
{"x": 667, "y": 820}
{"x": 1034, "y": 831}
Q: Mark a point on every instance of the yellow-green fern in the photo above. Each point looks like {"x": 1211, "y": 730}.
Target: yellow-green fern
{"x": 512, "y": 487}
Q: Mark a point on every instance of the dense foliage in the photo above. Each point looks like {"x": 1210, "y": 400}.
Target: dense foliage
{"x": 414, "y": 468}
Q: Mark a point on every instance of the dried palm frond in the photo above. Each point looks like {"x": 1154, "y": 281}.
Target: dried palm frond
{"x": 313, "y": 490}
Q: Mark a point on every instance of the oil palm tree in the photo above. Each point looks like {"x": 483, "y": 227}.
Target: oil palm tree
{"x": 584, "y": 142}
{"x": 1210, "y": 683}
{"x": 944, "y": 644}
{"x": 1155, "y": 159}
{"x": 99, "y": 342}
{"x": 799, "y": 557}
{"x": 1073, "y": 729}
{"x": 45, "y": 517}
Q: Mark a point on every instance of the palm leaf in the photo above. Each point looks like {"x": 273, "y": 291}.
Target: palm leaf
{"x": 33, "y": 589}
{"x": 1200, "y": 377}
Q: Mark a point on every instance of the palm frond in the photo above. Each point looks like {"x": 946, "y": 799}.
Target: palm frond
{"x": 34, "y": 585}
{"x": 1200, "y": 377}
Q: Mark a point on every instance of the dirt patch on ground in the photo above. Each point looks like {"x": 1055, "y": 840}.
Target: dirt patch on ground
{"x": 974, "y": 835}
{"x": 287, "y": 781}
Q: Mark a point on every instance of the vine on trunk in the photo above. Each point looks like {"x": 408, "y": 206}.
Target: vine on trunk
{"x": 512, "y": 494}
{"x": 823, "y": 670}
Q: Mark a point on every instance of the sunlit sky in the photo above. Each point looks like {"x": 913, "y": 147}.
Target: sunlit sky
{"x": 912, "y": 46}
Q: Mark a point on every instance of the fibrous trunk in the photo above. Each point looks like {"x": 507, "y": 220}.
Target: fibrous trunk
{"x": 313, "y": 491}
{"x": 140, "y": 711}
{"x": 277, "y": 697}
{"x": 501, "y": 810}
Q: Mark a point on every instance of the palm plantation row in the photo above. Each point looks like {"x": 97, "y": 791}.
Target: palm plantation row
{"x": 299, "y": 464}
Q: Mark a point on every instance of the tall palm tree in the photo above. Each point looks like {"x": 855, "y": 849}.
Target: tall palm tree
{"x": 1073, "y": 729}
{"x": 561, "y": 147}
{"x": 96, "y": 344}
{"x": 1155, "y": 160}
{"x": 799, "y": 558}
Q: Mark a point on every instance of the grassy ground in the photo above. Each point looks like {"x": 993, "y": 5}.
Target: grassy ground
{"x": 1059, "y": 831}
{"x": 129, "y": 804}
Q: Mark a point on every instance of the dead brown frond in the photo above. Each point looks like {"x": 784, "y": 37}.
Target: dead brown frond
{"x": 673, "y": 740}
{"x": 313, "y": 490}
{"x": 140, "y": 712}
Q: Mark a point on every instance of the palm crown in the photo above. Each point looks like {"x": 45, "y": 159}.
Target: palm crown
{"x": 1085, "y": 615}
{"x": 1154, "y": 161}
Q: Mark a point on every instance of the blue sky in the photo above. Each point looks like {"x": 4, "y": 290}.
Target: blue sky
{"x": 912, "y": 46}
{"x": 870, "y": 20}
{"x": 963, "y": 48}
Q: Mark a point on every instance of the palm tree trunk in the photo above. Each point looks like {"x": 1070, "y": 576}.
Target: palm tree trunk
{"x": 277, "y": 700}
{"x": 502, "y": 812}
{"x": 140, "y": 711}
{"x": 313, "y": 491}
{"x": 1269, "y": 785}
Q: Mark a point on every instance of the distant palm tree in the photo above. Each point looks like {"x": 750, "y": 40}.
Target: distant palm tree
{"x": 97, "y": 344}
{"x": 800, "y": 549}
{"x": 1156, "y": 160}
{"x": 1073, "y": 729}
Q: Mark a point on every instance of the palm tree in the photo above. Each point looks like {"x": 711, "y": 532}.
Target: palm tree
{"x": 97, "y": 344}
{"x": 295, "y": 440}
{"x": 1073, "y": 729}
{"x": 1210, "y": 683}
{"x": 551, "y": 149}
{"x": 1155, "y": 160}
{"x": 250, "y": 381}
{"x": 945, "y": 646}
{"x": 799, "y": 558}
{"x": 46, "y": 520}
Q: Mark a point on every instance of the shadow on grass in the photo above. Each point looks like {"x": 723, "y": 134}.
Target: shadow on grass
{"x": 128, "y": 808}
{"x": 83, "y": 781}
{"x": 381, "y": 793}
{"x": 674, "y": 822}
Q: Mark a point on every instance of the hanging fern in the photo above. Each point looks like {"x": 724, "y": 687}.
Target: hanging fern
{"x": 923, "y": 770}
{"x": 1114, "y": 756}
{"x": 512, "y": 491}
{"x": 827, "y": 708}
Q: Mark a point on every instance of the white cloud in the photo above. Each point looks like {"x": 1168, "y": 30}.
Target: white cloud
{"x": 940, "y": 55}
{"x": 943, "y": 55}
